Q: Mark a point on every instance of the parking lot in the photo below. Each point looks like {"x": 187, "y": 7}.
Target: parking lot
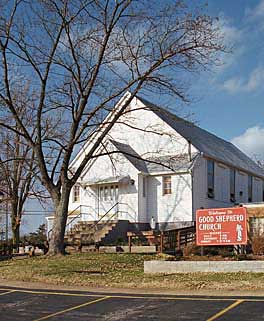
{"x": 24, "y": 304}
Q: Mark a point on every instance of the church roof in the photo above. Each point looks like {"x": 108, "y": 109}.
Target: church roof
{"x": 167, "y": 163}
{"x": 210, "y": 145}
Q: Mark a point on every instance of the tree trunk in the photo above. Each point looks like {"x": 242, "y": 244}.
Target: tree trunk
{"x": 15, "y": 222}
{"x": 56, "y": 245}
{"x": 16, "y": 236}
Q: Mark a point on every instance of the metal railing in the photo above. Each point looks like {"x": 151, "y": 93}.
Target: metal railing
{"x": 79, "y": 215}
{"x": 69, "y": 214}
{"x": 103, "y": 216}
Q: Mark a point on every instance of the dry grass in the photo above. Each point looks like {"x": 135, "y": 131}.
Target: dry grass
{"x": 119, "y": 270}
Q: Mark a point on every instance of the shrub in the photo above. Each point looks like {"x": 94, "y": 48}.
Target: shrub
{"x": 211, "y": 250}
{"x": 257, "y": 243}
{"x": 191, "y": 249}
{"x": 226, "y": 251}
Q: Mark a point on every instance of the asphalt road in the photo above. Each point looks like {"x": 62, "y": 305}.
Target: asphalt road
{"x": 23, "y": 304}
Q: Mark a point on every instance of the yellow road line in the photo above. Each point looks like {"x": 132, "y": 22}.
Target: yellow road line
{"x": 127, "y": 296}
{"x": 9, "y": 291}
{"x": 61, "y": 293}
{"x": 133, "y": 296}
{"x": 73, "y": 308}
{"x": 230, "y": 307}
{"x": 171, "y": 298}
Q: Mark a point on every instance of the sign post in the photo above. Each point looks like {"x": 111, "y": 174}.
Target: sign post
{"x": 221, "y": 226}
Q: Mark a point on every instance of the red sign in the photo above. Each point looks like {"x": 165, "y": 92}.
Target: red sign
{"x": 221, "y": 226}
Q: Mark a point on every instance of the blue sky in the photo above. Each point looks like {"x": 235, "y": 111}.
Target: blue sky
{"x": 228, "y": 101}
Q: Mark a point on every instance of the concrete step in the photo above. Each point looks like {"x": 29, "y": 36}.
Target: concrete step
{"x": 86, "y": 232}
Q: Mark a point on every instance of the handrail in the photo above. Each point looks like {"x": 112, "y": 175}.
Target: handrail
{"x": 79, "y": 206}
{"x": 94, "y": 225}
{"x": 97, "y": 222}
{"x": 75, "y": 216}
{"x": 106, "y": 222}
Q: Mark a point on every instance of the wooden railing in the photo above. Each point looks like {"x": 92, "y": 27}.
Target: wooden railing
{"x": 176, "y": 239}
{"x": 165, "y": 241}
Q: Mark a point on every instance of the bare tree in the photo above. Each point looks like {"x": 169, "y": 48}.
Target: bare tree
{"x": 19, "y": 171}
{"x": 81, "y": 56}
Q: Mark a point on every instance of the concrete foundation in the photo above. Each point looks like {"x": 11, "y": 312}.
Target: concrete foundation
{"x": 125, "y": 249}
{"x": 203, "y": 266}
{"x": 148, "y": 249}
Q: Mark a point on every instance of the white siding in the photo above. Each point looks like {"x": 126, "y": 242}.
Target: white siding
{"x": 199, "y": 184}
{"x": 101, "y": 169}
{"x": 257, "y": 190}
{"x": 221, "y": 186}
{"x": 221, "y": 183}
{"x": 174, "y": 207}
{"x": 142, "y": 200}
{"x": 146, "y": 133}
{"x": 241, "y": 187}
{"x": 149, "y": 136}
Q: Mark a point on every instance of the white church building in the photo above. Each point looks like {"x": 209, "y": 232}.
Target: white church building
{"x": 161, "y": 168}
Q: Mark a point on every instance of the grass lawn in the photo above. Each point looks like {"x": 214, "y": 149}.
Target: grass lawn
{"x": 119, "y": 270}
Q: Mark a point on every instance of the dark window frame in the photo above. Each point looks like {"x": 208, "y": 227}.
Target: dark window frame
{"x": 250, "y": 188}
{"x": 144, "y": 181}
{"x": 210, "y": 178}
{"x": 232, "y": 182}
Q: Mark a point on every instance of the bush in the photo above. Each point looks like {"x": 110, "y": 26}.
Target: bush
{"x": 211, "y": 250}
{"x": 191, "y": 249}
{"x": 226, "y": 251}
{"x": 257, "y": 243}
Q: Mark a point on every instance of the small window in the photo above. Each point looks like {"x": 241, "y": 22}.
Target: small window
{"x": 250, "y": 188}
{"x": 101, "y": 193}
{"x": 116, "y": 193}
{"x": 166, "y": 185}
{"x": 144, "y": 187}
{"x": 232, "y": 178}
{"x": 112, "y": 196}
{"x": 106, "y": 193}
{"x": 76, "y": 193}
{"x": 210, "y": 179}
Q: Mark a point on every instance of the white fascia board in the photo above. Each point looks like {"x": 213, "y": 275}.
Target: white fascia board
{"x": 169, "y": 173}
